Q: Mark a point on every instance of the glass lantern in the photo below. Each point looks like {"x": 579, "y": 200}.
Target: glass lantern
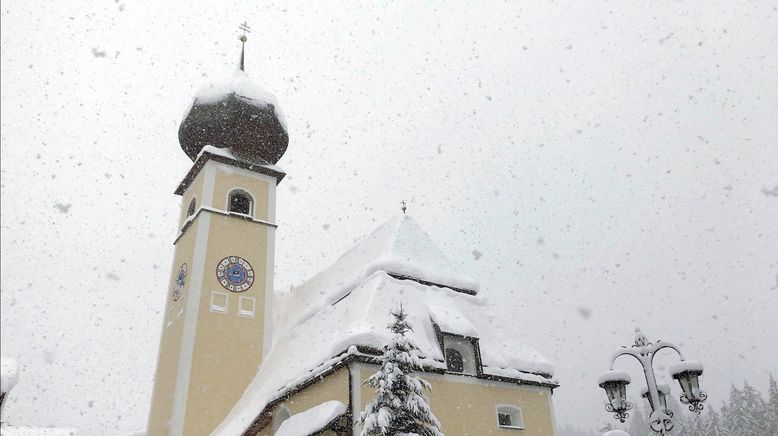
{"x": 615, "y": 385}
{"x": 687, "y": 373}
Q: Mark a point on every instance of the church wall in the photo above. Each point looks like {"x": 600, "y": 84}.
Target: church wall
{"x": 228, "y": 347}
{"x": 467, "y": 406}
{"x": 170, "y": 341}
{"x": 332, "y": 387}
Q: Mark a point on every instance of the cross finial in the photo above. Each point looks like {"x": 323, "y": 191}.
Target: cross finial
{"x": 404, "y": 206}
{"x": 245, "y": 28}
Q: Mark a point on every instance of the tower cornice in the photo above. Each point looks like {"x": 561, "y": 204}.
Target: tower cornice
{"x": 205, "y": 156}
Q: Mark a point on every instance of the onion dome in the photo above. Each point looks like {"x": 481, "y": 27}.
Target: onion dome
{"x": 237, "y": 115}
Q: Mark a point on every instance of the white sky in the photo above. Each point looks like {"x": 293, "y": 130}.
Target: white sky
{"x": 611, "y": 162}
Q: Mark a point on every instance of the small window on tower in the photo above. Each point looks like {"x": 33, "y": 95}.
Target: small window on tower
{"x": 240, "y": 202}
{"x": 192, "y": 205}
{"x": 219, "y": 302}
{"x": 246, "y": 306}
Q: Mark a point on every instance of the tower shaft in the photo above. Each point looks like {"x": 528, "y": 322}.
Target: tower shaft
{"x": 217, "y": 322}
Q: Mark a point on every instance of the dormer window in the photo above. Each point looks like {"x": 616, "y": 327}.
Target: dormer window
{"x": 461, "y": 354}
{"x": 192, "y": 206}
{"x": 240, "y": 202}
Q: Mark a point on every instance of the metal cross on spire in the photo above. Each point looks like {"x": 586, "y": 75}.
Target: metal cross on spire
{"x": 404, "y": 206}
{"x": 245, "y": 28}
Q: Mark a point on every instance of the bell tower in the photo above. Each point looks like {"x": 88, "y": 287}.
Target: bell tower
{"x": 217, "y": 321}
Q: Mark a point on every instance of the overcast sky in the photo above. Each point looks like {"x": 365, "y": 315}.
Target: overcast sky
{"x": 596, "y": 166}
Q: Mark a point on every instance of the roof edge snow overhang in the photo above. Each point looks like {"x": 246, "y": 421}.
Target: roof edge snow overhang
{"x": 368, "y": 355}
{"x": 428, "y": 283}
{"x": 205, "y": 156}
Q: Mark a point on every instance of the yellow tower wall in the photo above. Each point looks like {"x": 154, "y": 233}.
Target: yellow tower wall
{"x": 170, "y": 342}
{"x": 207, "y": 357}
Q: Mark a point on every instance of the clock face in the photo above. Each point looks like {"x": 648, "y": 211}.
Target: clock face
{"x": 235, "y": 274}
{"x": 180, "y": 282}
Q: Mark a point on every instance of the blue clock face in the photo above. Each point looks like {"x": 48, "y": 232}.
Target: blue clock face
{"x": 180, "y": 282}
{"x": 235, "y": 274}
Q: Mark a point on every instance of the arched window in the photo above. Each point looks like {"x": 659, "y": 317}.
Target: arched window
{"x": 281, "y": 415}
{"x": 240, "y": 202}
{"x": 509, "y": 416}
{"x": 454, "y": 361}
{"x": 192, "y": 205}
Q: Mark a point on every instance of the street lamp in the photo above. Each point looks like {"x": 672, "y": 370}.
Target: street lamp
{"x": 687, "y": 373}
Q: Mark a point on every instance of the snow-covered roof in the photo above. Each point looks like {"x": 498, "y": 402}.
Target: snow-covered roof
{"x": 241, "y": 85}
{"x": 399, "y": 246}
{"x": 312, "y": 420}
{"x": 348, "y": 304}
{"x": 8, "y": 374}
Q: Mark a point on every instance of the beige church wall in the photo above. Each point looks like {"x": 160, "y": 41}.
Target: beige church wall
{"x": 195, "y": 189}
{"x": 467, "y": 406}
{"x": 170, "y": 341}
{"x": 228, "y": 347}
{"x": 331, "y": 387}
{"x": 229, "y": 178}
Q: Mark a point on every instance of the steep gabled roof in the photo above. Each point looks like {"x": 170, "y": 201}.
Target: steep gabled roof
{"x": 400, "y": 247}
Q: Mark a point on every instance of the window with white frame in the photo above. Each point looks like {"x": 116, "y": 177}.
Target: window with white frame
{"x": 246, "y": 306}
{"x": 459, "y": 354}
{"x": 219, "y": 302}
{"x": 240, "y": 201}
{"x": 509, "y": 416}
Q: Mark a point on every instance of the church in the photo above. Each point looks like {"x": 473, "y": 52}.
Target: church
{"x": 237, "y": 357}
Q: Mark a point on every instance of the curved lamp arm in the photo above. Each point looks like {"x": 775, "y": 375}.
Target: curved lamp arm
{"x": 624, "y": 352}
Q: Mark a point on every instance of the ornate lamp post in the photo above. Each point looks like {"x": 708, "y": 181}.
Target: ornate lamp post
{"x": 687, "y": 373}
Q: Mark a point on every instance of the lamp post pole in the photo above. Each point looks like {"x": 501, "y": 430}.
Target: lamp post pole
{"x": 686, "y": 372}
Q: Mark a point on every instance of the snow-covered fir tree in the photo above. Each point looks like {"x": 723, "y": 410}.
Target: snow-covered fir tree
{"x": 772, "y": 407}
{"x": 399, "y": 407}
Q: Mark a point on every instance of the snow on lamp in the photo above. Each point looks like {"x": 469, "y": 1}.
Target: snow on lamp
{"x": 687, "y": 372}
{"x": 615, "y": 384}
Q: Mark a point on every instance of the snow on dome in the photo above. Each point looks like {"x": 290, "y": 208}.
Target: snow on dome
{"x": 8, "y": 374}
{"x": 686, "y": 366}
{"x": 241, "y": 85}
{"x": 312, "y": 420}
{"x": 236, "y": 114}
{"x": 613, "y": 375}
